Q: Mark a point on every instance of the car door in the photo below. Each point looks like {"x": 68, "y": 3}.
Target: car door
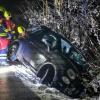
{"x": 32, "y": 52}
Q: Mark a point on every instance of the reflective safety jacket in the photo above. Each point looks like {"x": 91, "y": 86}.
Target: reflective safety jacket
{"x": 4, "y": 43}
{"x": 3, "y": 50}
{"x": 8, "y": 24}
{"x": 3, "y": 31}
{"x": 8, "y": 21}
{"x": 6, "y": 34}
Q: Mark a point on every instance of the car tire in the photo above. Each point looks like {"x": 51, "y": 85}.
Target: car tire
{"x": 46, "y": 74}
{"x": 75, "y": 88}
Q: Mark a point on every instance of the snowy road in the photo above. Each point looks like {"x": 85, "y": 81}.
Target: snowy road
{"x": 12, "y": 88}
{"x": 16, "y": 83}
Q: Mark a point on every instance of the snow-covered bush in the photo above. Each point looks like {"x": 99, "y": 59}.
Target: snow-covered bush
{"x": 78, "y": 20}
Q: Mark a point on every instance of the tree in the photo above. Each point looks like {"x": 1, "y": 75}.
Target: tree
{"x": 78, "y": 20}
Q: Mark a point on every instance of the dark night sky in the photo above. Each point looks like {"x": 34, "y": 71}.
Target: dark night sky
{"x": 10, "y": 4}
{"x": 13, "y": 4}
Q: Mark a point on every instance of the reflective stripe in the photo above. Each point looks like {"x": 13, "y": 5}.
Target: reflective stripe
{"x": 3, "y": 34}
{"x": 13, "y": 32}
{"x": 3, "y": 58}
{"x": 6, "y": 30}
{"x": 3, "y": 54}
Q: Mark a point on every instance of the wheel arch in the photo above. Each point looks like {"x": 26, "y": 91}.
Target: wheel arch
{"x": 53, "y": 66}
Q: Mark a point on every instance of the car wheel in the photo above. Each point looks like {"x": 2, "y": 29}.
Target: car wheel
{"x": 12, "y": 52}
{"x": 46, "y": 74}
{"x": 74, "y": 87}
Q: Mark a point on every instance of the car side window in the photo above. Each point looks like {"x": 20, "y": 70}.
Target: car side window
{"x": 77, "y": 57}
{"x": 69, "y": 51}
{"x": 36, "y": 36}
{"x": 65, "y": 47}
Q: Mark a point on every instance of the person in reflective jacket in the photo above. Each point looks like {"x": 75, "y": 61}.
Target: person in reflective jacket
{"x": 4, "y": 42}
{"x": 10, "y": 26}
{"x": 8, "y": 21}
{"x": 21, "y": 32}
{"x": 7, "y": 17}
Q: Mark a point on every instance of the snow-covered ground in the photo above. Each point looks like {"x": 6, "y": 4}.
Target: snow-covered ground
{"x": 43, "y": 91}
{"x": 32, "y": 82}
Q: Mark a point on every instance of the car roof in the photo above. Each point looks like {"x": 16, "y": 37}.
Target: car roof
{"x": 47, "y": 30}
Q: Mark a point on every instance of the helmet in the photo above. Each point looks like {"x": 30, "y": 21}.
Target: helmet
{"x": 2, "y": 9}
{"x": 21, "y": 29}
{"x": 7, "y": 14}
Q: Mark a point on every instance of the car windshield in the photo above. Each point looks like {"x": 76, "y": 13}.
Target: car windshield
{"x": 68, "y": 50}
{"x": 36, "y": 35}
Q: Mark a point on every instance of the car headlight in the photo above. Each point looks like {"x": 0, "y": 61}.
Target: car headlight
{"x": 66, "y": 80}
{"x": 71, "y": 74}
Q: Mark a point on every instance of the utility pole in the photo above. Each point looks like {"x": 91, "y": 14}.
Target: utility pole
{"x": 45, "y": 10}
{"x": 58, "y": 4}
{"x": 45, "y": 7}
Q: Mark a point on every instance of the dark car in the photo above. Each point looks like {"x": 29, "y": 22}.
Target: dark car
{"x": 53, "y": 59}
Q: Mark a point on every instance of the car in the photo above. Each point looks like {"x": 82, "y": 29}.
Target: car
{"x": 54, "y": 60}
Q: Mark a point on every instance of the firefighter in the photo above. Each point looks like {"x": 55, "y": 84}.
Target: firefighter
{"x": 7, "y": 16}
{"x": 21, "y": 32}
{"x": 7, "y": 33}
{"x": 9, "y": 24}
{"x": 4, "y": 42}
